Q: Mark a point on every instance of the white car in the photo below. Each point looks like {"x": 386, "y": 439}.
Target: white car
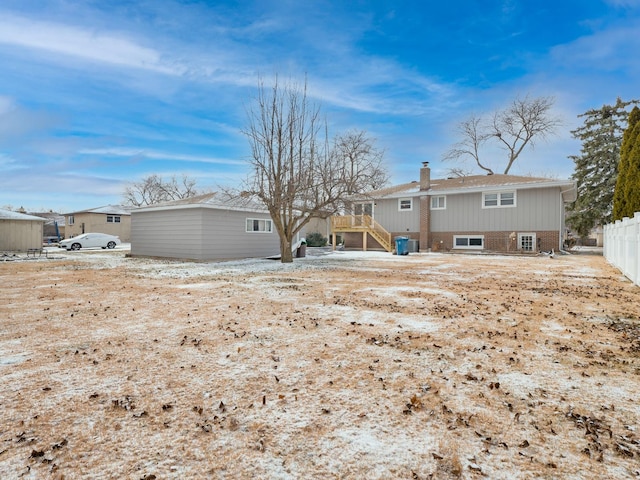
{"x": 90, "y": 240}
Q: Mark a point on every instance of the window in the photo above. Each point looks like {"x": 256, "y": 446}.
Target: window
{"x": 438, "y": 203}
{"x": 498, "y": 199}
{"x": 363, "y": 209}
{"x": 259, "y": 225}
{"x": 527, "y": 242}
{"x": 475, "y": 242}
{"x": 405, "y": 204}
{"x": 113, "y": 219}
{"x": 71, "y": 220}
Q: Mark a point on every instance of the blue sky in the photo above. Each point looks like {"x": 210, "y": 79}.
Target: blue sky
{"x": 95, "y": 94}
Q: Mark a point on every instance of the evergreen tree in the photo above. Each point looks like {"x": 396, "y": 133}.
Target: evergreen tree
{"x": 596, "y": 168}
{"x": 626, "y": 199}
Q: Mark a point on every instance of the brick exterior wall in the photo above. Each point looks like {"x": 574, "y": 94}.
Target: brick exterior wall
{"x": 495, "y": 241}
{"x": 354, "y": 240}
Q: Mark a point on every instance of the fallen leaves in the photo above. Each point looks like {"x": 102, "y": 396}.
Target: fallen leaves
{"x": 491, "y": 366}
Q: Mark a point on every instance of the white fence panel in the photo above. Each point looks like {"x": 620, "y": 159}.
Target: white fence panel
{"x": 622, "y": 246}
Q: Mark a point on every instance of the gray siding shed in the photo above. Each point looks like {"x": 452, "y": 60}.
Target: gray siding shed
{"x": 200, "y": 232}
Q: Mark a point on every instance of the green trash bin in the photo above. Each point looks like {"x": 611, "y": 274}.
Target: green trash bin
{"x": 402, "y": 245}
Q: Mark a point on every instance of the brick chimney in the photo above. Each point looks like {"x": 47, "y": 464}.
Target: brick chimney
{"x": 425, "y": 214}
{"x": 425, "y": 177}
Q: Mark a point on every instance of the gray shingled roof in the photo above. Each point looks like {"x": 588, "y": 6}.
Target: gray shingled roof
{"x": 213, "y": 200}
{"x": 469, "y": 183}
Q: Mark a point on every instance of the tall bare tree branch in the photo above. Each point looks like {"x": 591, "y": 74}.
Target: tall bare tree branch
{"x": 519, "y": 125}
{"x": 154, "y": 189}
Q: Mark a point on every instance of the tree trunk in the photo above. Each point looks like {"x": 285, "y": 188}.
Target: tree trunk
{"x": 286, "y": 255}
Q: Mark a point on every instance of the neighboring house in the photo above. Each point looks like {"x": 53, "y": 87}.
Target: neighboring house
{"x": 20, "y": 232}
{"x": 213, "y": 226}
{"x": 502, "y": 213}
{"x": 111, "y": 219}
{"x": 53, "y": 225}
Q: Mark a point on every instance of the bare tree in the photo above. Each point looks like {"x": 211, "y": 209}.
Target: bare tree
{"x": 357, "y": 151}
{"x": 153, "y": 189}
{"x": 521, "y": 124}
{"x": 295, "y": 171}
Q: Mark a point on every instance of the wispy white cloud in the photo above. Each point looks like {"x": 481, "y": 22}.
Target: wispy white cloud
{"x": 143, "y": 153}
{"x": 83, "y": 43}
{"x": 610, "y": 49}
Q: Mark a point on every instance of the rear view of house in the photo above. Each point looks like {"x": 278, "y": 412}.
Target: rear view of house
{"x": 502, "y": 213}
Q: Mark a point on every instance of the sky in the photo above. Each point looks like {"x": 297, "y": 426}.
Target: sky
{"x": 97, "y": 94}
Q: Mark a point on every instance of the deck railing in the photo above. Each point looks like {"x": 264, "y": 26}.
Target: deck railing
{"x": 362, "y": 223}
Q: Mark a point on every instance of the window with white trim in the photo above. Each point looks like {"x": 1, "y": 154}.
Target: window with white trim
{"x": 259, "y": 225}
{"x": 498, "y": 199}
{"x": 527, "y": 242}
{"x": 113, "y": 219}
{"x": 439, "y": 202}
{"x": 363, "y": 209}
{"x": 71, "y": 220}
{"x": 405, "y": 204}
{"x": 468, "y": 242}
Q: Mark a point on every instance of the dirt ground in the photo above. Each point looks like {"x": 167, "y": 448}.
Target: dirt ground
{"x": 341, "y": 365}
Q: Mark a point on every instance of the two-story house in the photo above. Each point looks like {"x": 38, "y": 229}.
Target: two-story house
{"x": 501, "y": 213}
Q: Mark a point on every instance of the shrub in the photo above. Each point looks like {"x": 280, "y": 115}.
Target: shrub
{"x": 316, "y": 239}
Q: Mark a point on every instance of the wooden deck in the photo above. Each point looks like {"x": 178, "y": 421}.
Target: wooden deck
{"x": 364, "y": 224}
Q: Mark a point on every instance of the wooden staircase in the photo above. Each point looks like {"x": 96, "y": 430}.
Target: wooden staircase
{"x": 364, "y": 224}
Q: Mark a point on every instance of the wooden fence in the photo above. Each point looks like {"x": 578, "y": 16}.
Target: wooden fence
{"x": 622, "y": 246}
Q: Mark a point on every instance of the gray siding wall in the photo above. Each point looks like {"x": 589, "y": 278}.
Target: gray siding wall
{"x": 225, "y": 236}
{"x": 386, "y": 213}
{"x": 199, "y": 234}
{"x": 536, "y": 210}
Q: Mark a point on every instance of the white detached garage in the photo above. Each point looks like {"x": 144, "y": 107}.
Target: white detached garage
{"x": 214, "y": 226}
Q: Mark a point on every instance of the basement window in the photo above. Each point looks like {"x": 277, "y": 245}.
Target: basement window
{"x": 259, "y": 225}
{"x": 467, "y": 242}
